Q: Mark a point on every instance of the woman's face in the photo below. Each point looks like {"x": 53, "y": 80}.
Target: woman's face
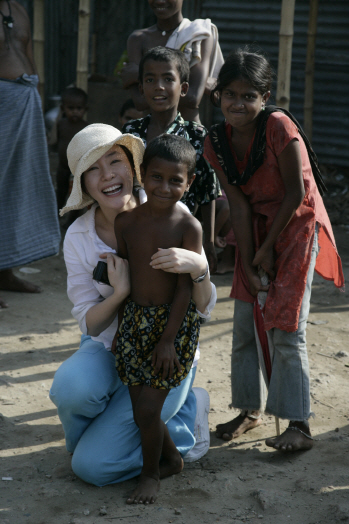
{"x": 109, "y": 181}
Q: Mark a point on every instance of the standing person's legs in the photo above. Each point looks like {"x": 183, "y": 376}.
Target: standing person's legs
{"x": 289, "y": 389}
{"x": 156, "y": 442}
{"x": 110, "y": 451}
{"x": 248, "y": 386}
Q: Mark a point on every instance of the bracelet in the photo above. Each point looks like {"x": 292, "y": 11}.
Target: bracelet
{"x": 201, "y": 277}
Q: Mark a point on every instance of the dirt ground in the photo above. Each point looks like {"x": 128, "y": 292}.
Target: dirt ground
{"x": 240, "y": 482}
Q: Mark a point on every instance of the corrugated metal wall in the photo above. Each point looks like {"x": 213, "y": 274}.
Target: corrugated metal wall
{"x": 239, "y": 23}
{"x": 256, "y": 22}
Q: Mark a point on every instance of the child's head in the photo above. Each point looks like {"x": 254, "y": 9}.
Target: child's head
{"x": 74, "y": 103}
{"x": 251, "y": 67}
{"x": 128, "y": 112}
{"x": 164, "y": 75}
{"x": 173, "y": 57}
{"x": 170, "y": 158}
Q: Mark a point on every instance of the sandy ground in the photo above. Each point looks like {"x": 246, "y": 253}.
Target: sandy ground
{"x": 240, "y": 482}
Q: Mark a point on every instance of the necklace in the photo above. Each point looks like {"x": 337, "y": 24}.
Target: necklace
{"x": 164, "y": 32}
{"x": 7, "y": 23}
{"x": 7, "y": 20}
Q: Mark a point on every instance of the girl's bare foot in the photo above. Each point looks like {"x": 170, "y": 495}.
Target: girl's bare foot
{"x": 9, "y": 282}
{"x": 296, "y": 437}
{"x": 171, "y": 466}
{"x": 145, "y": 492}
{"x": 237, "y": 427}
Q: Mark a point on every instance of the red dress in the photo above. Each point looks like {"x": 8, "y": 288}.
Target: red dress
{"x": 265, "y": 192}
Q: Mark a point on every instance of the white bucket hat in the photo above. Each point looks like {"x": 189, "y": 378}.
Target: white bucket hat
{"x": 86, "y": 147}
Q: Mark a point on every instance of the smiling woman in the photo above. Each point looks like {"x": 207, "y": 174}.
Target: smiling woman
{"x": 93, "y": 405}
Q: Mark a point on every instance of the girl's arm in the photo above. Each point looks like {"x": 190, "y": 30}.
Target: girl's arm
{"x": 164, "y": 354}
{"x": 241, "y": 219}
{"x": 129, "y": 73}
{"x": 178, "y": 260}
{"x": 290, "y": 165}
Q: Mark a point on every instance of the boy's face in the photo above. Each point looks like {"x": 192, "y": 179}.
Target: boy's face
{"x": 164, "y": 9}
{"x": 165, "y": 182}
{"x": 74, "y": 108}
{"x": 130, "y": 114}
{"x": 161, "y": 86}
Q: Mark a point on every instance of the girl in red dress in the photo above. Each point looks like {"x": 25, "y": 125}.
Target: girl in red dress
{"x": 270, "y": 175}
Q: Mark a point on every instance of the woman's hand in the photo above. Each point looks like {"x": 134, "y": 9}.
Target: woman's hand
{"x": 118, "y": 274}
{"x": 178, "y": 260}
{"x": 265, "y": 259}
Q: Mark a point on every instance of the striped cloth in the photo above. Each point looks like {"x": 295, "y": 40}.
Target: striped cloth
{"x": 29, "y": 228}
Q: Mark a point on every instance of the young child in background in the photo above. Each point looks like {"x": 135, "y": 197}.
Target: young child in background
{"x": 199, "y": 41}
{"x": 158, "y": 335}
{"x": 164, "y": 76}
{"x": 270, "y": 175}
{"x": 73, "y": 107}
{"x": 128, "y": 112}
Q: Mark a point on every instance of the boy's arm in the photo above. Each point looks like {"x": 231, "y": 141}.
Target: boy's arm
{"x": 164, "y": 354}
{"x": 198, "y": 77}
{"x": 129, "y": 73}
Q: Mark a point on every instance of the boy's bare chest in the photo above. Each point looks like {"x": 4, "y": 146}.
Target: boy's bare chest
{"x": 145, "y": 239}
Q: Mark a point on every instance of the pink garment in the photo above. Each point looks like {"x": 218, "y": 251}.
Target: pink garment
{"x": 265, "y": 192}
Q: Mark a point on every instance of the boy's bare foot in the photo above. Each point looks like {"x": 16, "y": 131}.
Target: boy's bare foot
{"x": 171, "y": 466}
{"x": 237, "y": 427}
{"x": 9, "y": 282}
{"x": 145, "y": 492}
{"x": 296, "y": 437}
{"x": 220, "y": 241}
{"x": 3, "y": 304}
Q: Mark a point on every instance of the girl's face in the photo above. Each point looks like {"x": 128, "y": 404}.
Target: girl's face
{"x": 241, "y": 103}
{"x": 109, "y": 181}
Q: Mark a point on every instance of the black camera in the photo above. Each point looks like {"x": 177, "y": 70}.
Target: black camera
{"x": 100, "y": 273}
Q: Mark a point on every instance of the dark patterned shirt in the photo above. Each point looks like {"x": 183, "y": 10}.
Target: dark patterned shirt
{"x": 205, "y": 186}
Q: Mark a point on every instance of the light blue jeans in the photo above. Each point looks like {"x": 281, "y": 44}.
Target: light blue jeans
{"x": 96, "y": 413}
{"x": 288, "y": 396}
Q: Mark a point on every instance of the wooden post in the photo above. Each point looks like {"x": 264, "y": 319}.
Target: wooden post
{"x": 83, "y": 45}
{"x": 309, "y": 70}
{"x": 285, "y": 54}
{"x": 39, "y": 44}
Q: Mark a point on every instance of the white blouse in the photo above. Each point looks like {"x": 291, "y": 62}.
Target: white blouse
{"x": 82, "y": 247}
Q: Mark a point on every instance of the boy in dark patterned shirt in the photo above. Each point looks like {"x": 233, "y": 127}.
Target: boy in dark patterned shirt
{"x": 163, "y": 77}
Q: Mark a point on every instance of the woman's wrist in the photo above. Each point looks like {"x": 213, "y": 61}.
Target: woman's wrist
{"x": 199, "y": 276}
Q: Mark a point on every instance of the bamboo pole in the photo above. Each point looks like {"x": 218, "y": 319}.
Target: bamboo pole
{"x": 309, "y": 69}
{"x": 83, "y": 45}
{"x": 285, "y": 54}
{"x": 39, "y": 44}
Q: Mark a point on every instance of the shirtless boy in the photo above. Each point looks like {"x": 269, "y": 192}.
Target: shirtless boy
{"x": 73, "y": 107}
{"x": 158, "y": 335}
{"x": 29, "y": 226}
{"x": 168, "y": 17}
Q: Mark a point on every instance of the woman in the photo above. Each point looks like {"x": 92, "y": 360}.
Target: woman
{"x": 93, "y": 405}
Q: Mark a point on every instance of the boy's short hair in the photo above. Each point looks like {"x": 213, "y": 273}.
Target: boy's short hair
{"x": 74, "y": 92}
{"x": 129, "y": 104}
{"x": 165, "y": 54}
{"x": 172, "y": 148}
